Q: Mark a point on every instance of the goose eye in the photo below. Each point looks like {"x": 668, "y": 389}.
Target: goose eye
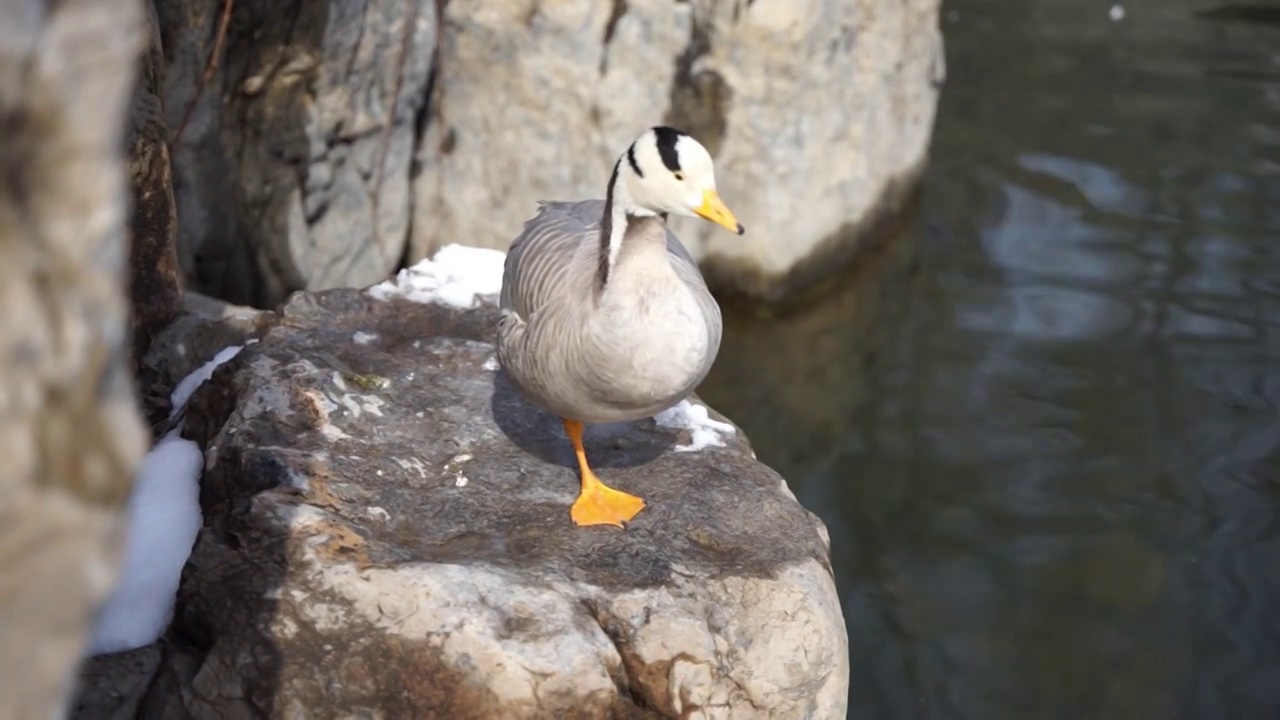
{"x": 679, "y": 177}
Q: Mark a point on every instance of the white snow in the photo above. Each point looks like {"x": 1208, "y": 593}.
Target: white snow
{"x": 704, "y": 431}
{"x": 456, "y": 275}
{"x": 491, "y": 364}
{"x": 186, "y": 387}
{"x": 164, "y": 517}
{"x": 363, "y": 338}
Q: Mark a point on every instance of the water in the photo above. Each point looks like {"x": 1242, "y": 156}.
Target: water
{"x": 1043, "y": 428}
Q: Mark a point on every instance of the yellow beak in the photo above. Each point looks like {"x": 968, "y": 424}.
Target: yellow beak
{"x": 714, "y": 209}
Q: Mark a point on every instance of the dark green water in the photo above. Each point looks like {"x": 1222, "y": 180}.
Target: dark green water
{"x": 1044, "y": 428}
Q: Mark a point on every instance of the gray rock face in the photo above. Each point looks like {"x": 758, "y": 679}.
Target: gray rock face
{"x": 155, "y": 278}
{"x": 388, "y": 536}
{"x": 818, "y": 114}
{"x": 70, "y": 433}
{"x": 294, "y": 171}
{"x": 293, "y": 168}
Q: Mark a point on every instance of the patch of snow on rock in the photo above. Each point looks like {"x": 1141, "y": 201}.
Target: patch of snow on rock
{"x": 186, "y": 387}
{"x": 704, "y": 431}
{"x": 164, "y": 518}
{"x": 457, "y": 275}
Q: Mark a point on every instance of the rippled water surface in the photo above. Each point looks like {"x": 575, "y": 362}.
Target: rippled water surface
{"x": 1043, "y": 428}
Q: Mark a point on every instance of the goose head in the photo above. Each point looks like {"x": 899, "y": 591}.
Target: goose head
{"x": 666, "y": 171}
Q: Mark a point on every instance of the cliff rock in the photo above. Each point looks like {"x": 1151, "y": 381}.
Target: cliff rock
{"x": 70, "y": 432}
{"x": 818, "y": 114}
{"x": 337, "y": 138}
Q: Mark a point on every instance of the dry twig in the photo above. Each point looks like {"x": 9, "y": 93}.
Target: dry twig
{"x": 210, "y": 67}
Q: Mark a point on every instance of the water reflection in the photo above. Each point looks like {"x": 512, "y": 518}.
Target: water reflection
{"x": 1050, "y": 459}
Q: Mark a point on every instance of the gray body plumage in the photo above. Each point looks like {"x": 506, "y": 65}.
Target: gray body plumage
{"x": 624, "y": 351}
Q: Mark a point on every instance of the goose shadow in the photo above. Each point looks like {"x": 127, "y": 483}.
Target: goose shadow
{"x": 540, "y": 433}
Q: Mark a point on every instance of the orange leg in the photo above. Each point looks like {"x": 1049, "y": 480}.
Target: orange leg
{"x": 597, "y": 503}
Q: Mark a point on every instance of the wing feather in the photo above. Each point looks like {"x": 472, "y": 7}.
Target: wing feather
{"x": 539, "y": 260}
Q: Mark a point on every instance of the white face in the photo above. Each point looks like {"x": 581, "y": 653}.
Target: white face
{"x": 662, "y": 190}
{"x": 688, "y": 188}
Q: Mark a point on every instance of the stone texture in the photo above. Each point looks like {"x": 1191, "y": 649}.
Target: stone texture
{"x": 112, "y": 687}
{"x": 70, "y": 434}
{"x": 387, "y": 535}
{"x": 155, "y": 278}
{"x": 292, "y": 170}
{"x": 818, "y": 112}
{"x": 207, "y": 326}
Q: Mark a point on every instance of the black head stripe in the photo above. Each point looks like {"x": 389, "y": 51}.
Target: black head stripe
{"x": 631, "y": 158}
{"x": 667, "y": 139}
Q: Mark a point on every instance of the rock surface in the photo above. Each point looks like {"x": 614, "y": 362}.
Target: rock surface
{"x": 70, "y": 433}
{"x": 292, "y": 169}
{"x": 155, "y": 277}
{"x": 818, "y": 113}
{"x": 387, "y": 535}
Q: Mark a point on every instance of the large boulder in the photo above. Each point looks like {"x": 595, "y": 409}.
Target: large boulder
{"x": 387, "y": 535}
{"x": 70, "y": 432}
{"x": 292, "y": 162}
{"x": 818, "y": 113}
{"x": 336, "y": 138}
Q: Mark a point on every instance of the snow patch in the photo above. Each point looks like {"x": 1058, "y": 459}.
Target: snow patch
{"x": 703, "y": 430}
{"x": 491, "y": 364}
{"x": 186, "y": 387}
{"x": 164, "y": 518}
{"x": 363, "y": 338}
{"x": 456, "y": 275}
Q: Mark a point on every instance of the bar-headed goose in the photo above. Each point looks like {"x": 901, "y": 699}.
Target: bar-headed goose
{"x": 605, "y": 316}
